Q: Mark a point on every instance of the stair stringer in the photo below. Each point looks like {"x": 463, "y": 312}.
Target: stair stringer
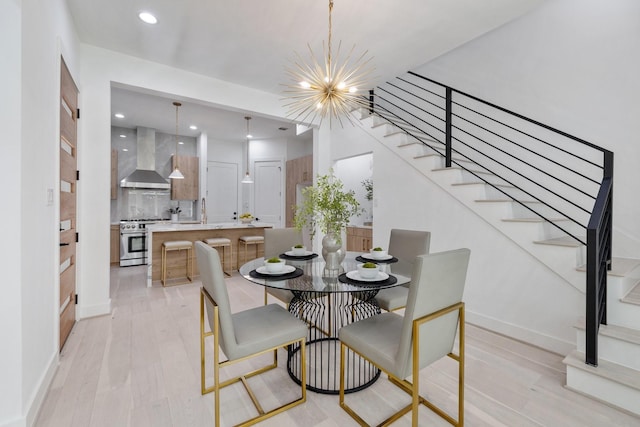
{"x": 562, "y": 260}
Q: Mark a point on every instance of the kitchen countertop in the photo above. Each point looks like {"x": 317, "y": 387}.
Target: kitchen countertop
{"x": 159, "y": 232}
{"x": 159, "y": 227}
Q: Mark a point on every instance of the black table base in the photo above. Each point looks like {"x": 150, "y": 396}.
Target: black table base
{"x": 326, "y": 313}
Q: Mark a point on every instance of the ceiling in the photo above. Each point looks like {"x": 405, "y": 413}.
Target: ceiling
{"x": 250, "y": 42}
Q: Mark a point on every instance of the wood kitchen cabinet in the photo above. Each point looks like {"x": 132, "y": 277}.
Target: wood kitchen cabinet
{"x": 114, "y": 174}
{"x": 359, "y": 239}
{"x": 187, "y": 188}
{"x": 299, "y": 171}
{"x": 115, "y": 244}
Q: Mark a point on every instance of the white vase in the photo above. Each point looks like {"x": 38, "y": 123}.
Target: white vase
{"x": 174, "y": 217}
{"x": 332, "y": 251}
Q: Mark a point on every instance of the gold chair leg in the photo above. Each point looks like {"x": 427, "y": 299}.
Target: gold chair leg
{"x": 217, "y": 365}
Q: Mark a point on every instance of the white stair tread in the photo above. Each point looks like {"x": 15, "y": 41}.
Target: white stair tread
{"x": 611, "y": 371}
{"x": 534, "y": 219}
{"x": 505, "y": 200}
{"x": 483, "y": 183}
{"x": 408, "y": 144}
{"x": 614, "y": 331}
{"x": 560, "y": 241}
{"x": 619, "y": 266}
{"x": 459, "y": 168}
{"x": 633, "y": 297}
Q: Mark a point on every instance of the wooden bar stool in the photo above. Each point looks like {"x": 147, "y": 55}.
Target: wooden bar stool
{"x": 224, "y": 243}
{"x": 246, "y": 241}
{"x": 177, "y": 245}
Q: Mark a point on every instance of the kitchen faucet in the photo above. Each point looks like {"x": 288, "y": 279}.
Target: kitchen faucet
{"x": 203, "y": 212}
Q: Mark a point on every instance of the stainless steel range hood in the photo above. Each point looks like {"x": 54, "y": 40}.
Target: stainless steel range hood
{"x": 145, "y": 175}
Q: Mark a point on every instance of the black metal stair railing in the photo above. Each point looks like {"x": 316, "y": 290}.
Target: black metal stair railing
{"x": 549, "y": 174}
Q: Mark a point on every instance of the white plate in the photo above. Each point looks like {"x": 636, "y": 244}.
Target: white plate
{"x": 354, "y": 275}
{"x": 382, "y": 258}
{"x": 286, "y": 270}
{"x": 306, "y": 253}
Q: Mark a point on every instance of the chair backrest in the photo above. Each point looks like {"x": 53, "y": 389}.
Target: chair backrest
{"x": 280, "y": 240}
{"x": 406, "y": 245}
{"x": 438, "y": 282}
{"x": 212, "y": 278}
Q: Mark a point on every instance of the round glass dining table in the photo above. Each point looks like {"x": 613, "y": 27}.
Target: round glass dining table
{"x": 327, "y": 300}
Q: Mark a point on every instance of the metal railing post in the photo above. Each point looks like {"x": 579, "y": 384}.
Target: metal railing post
{"x": 448, "y": 115}
{"x": 371, "y": 101}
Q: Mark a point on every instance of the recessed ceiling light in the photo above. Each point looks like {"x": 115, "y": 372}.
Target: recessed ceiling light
{"x": 181, "y": 143}
{"x": 119, "y": 115}
{"x": 123, "y": 136}
{"x": 193, "y": 127}
{"x": 147, "y": 17}
{"x": 125, "y": 149}
{"x": 249, "y": 135}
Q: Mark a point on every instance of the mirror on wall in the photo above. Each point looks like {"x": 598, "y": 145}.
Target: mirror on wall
{"x": 356, "y": 173}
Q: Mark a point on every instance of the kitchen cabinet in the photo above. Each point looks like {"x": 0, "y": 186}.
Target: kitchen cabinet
{"x": 115, "y": 244}
{"x": 114, "y": 174}
{"x": 187, "y": 188}
{"x": 299, "y": 171}
{"x": 359, "y": 238}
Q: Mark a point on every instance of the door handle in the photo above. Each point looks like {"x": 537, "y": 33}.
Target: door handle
{"x": 64, "y": 244}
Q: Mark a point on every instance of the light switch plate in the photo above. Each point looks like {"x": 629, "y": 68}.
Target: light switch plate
{"x": 49, "y": 196}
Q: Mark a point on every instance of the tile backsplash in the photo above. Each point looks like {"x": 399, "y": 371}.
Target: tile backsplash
{"x": 136, "y": 203}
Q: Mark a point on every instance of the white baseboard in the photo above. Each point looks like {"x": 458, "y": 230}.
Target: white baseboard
{"x": 553, "y": 344}
{"x": 86, "y": 311}
{"x": 35, "y": 402}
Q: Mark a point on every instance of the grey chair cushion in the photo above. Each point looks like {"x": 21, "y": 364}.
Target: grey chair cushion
{"x": 377, "y": 337}
{"x": 405, "y": 245}
{"x": 386, "y": 339}
{"x": 282, "y": 294}
{"x": 392, "y": 298}
{"x": 264, "y": 327}
{"x": 246, "y": 332}
{"x": 276, "y": 242}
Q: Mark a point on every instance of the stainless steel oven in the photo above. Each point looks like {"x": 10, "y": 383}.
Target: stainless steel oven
{"x": 133, "y": 243}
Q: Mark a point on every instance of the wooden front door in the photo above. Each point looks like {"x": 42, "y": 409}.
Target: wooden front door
{"x": 68, "y": 176}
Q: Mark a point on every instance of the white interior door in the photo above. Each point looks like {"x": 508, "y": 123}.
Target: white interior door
{"x": 268, "y": 191}
{"x": 222, "y": 192}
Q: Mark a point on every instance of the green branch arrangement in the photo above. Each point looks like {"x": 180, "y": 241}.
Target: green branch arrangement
{"x": 368, "y": 187}
{"x": 326, "y": 205}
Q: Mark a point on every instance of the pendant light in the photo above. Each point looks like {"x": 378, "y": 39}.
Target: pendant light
{"x": 329, "y": 86}
{"x": 247, "y": 178}
{"x": 176, "y": 174}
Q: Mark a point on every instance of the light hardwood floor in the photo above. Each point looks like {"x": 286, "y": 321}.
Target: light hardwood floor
{"x": 140, "y": 366}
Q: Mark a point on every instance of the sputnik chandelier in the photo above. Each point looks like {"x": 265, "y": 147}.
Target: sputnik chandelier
{"x": 332, "y": 89}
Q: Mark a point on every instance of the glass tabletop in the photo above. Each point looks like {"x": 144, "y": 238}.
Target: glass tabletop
{"x": 316, "y": 278}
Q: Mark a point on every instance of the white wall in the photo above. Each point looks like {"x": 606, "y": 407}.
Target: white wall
{"x": 574, "y": 65}
{"x": 10, "y": 251}
{"x": 34, "y": 35}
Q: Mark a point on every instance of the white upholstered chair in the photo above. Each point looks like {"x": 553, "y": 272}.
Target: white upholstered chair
{"x": 242, "y": 335}
{"x": 276, "y": 242}
{"x": 405, "y": 245}
{"x": 402, "y": 345}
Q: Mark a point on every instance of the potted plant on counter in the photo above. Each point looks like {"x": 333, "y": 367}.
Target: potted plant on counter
{"x": 328, "y": 207}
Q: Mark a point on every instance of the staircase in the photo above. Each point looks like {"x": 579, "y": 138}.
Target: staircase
{"x": 554, "y": 240}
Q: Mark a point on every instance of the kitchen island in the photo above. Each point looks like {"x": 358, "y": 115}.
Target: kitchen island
{"x": 160, "y": 233}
